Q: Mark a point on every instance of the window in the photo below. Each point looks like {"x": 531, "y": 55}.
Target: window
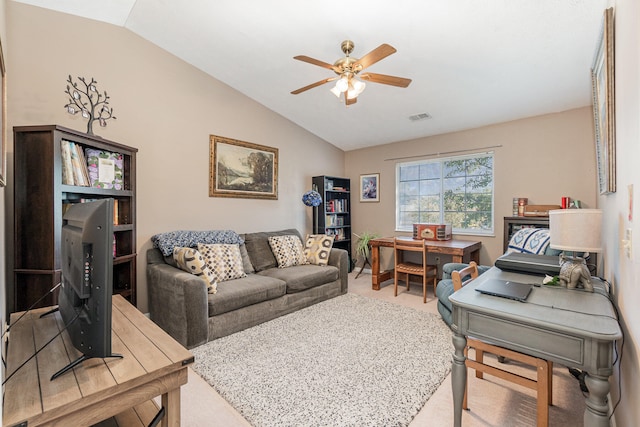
{"x": 453, "y": 190}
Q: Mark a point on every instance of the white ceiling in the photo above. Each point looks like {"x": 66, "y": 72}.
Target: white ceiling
{"x": 472, "y": 62}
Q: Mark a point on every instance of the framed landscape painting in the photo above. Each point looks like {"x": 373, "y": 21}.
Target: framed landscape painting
{"x": 242, "y": 169}
{"x": 602, "y": 79}
{"x": 369, "y": 187}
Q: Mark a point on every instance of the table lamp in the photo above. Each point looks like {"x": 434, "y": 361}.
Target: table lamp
{"x": 575, "y": 230}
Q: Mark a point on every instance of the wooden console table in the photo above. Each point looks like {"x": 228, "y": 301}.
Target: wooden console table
{"x": 154, "y": 364}
{"x": 460, "y": 250}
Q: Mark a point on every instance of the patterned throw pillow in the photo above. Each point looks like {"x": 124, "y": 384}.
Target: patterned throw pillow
{"x": 317, "y": 248}
{"x": 287, "y": 250}
{"x": 530, "y": 241}
{"x": 191, "y": 261}
{"x": 224, "y": 260}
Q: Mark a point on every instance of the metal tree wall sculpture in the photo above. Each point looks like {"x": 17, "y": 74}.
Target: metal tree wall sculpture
{"x": 89, "y": 102}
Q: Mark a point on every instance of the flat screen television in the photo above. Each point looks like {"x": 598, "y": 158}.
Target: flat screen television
{"x": 84, "y": 300}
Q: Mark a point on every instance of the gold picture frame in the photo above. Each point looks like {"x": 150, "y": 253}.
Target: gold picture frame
{"x": 603, "y": 89}
{"x": 3, "y": 121}
{"x": 242, "y": 169}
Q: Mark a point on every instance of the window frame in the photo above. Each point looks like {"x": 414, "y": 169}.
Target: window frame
{"x": 442, "y": 160}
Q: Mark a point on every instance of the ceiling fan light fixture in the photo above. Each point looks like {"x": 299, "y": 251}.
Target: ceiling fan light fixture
{"x": 356, "y": 88}
{"x": 334, "y": 90}
{"x": 347, "y": 68}
{"x": 343, "y": 83}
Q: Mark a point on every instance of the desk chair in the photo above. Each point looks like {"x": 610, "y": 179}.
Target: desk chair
{"x": 544, "y": 369}
{"x": 428, "y": 272}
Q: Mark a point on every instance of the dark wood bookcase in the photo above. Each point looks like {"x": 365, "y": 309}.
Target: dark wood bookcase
{"x": 333, "y": 216}
{"x": 39, "y": 197}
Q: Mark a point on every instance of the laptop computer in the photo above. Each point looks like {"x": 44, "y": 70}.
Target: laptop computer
{"x": 505, "y": 289}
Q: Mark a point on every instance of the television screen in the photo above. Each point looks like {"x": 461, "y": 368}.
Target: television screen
{"x": 87, "y": 278}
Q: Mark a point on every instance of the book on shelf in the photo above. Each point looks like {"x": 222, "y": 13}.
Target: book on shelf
{"x": 83, "y": 165}
{"x": 337, "y": 205}
{"x": 74, "y": 166}
{"x": 106, "y": 169}
{"x": 116, "y": 220}
{"x": 67, "y": 167}
{"x": 78, "y": 164}
{"x": 338, "y": 233}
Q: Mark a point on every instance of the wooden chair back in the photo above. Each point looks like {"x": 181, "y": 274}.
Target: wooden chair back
{"x": 456, "y": 277}
{"x": 402, "y": 245}
{"x": 427, "y": 272}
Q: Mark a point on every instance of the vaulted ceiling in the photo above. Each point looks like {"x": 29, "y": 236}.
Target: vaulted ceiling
{"x": 472, "y": 62}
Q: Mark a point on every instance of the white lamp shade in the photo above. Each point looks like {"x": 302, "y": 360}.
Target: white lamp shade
{"x": 576, "y": 229}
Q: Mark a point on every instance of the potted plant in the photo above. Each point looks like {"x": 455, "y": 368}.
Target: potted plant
{"x": 363, "y": 248}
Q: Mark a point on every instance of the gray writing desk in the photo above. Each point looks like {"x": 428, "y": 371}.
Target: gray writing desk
{"x": 570, "y": 327}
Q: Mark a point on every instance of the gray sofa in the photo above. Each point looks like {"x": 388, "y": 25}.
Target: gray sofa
{"x": 179, "y": 302}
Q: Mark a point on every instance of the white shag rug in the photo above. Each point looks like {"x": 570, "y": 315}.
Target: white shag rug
{"x": 348, "y": 361}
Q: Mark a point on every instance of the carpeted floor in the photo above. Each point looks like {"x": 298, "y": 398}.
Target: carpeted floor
{"x": 348, "y": 361}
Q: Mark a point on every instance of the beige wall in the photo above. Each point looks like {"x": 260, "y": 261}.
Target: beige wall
{"x": 621, "y": 270}
{"x": 167, "y": 109}
{"x": 542, "y": 158}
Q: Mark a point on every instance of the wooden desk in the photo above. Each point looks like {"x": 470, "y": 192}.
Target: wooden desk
{"x": 460, "y": 250}
{"x": 153, "y": 364}
{"x": 570, "y": 327}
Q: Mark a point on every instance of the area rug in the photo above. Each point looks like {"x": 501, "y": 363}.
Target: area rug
{"x": 348, "y": 361}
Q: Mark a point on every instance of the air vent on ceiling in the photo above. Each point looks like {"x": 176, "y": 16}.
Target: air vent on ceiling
{"x": 420, "y": 116}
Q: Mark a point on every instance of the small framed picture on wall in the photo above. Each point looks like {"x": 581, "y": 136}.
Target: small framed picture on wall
{"x": 370, "y": 187}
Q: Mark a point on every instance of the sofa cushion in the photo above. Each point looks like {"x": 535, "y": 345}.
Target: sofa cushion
{"x": 246, "y": 261}
{"x": 302, "y": 277}
{"x": 259, "y": 249}
{"x": 239, "y": 293}
{"x": 192, "y": 261}
{"x": 224, "y": 261}
{"x": 288, "y": 250}
{"x": 317, "y": 248}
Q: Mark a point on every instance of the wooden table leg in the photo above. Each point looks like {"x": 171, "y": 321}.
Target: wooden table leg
{"x": 171, "y": 404}
{"x": 458, "y": 377}
{"x": 375, "y": 267}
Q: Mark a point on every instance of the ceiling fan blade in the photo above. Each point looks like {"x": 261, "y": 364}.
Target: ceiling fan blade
{"x": 349, "y": 101}
{"x": 317, "y": 62}
{"x": 374, "y": 56}
{"x": 312, "y": 85}
{"x": 385, "y": 79}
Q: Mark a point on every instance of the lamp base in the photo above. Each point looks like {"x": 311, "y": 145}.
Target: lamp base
{"x": 574, "y": 273}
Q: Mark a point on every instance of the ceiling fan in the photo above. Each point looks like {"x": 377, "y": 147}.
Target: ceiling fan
{"x": 349, "y": 80}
